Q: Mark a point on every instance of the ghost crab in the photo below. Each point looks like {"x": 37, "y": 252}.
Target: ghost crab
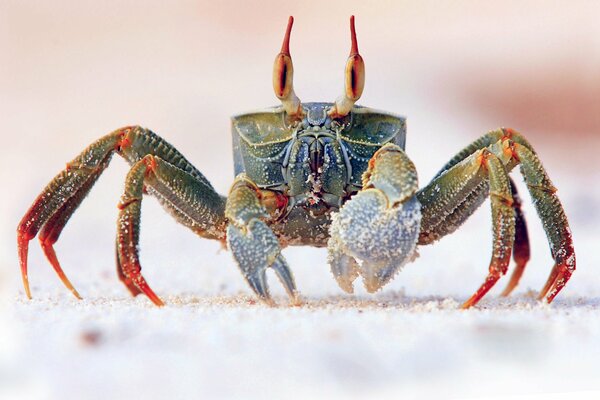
{"x": 320, "y": 174}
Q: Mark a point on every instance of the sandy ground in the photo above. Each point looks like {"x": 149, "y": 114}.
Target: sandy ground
{"x": 332, "y": 347}
{"x": 73, "y": 71}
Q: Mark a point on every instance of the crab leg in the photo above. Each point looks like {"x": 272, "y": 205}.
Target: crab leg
{"x": 521, "y": 251}
{"x": 72, "y": 183}
{"x": 442, "y": 195}
{"x": 443, "y": 213}
{"x": 253, "y": 244}
{"x": 52, "y": 229}
{"x": 181, "y": 189}
{"x": 131, "y": 287}
{"x": 553, "y": 218}
{"x": 202, "y": 212}
{"x": 503, "y": 221}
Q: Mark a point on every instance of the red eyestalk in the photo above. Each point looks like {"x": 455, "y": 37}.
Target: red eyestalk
{"x": 354, "y": 48}
{"x": 285, "y": 46}
{"x": 283, "y": 74}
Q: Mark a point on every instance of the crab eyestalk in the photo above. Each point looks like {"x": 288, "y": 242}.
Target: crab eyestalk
{"x": 283, "y": 76}
{"x": 354, "y": 79}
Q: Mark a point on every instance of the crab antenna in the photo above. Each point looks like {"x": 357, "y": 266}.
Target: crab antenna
{"x": 354, "y": 79}
{"x": 283, "y": 76}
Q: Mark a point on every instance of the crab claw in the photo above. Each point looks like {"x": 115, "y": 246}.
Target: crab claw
{"x": 371, "y": 238}
{"x": 256, "y": 248}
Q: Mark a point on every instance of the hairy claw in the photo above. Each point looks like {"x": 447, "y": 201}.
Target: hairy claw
{"x": 372, "y": 240}
{"x": 254, "y": 245}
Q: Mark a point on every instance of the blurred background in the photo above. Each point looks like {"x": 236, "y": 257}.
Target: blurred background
{"x": 72, "y": 71}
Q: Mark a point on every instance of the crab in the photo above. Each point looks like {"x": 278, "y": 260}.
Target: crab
{"x": 332, "y": 175}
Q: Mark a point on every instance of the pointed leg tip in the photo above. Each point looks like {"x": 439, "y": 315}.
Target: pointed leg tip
{"x": 466, "y": 305}
{"x": 26, "y": 285}
{"x": 541, "y": 296}
{"x": 296, "y": 300}
{"x": 76, "y": 294}
{"x": 472, "y": 301}
{"x": 26, "y": 288}
{"x": 154, "y": 298}
{"x": 47, "y": 247}
{"x": 158, "y": 302}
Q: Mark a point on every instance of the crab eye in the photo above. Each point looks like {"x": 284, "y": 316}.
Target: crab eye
{"x": 354, "y": 79}
{"x": 283, "y": 72}
{"x": 355, "y": 69}
{"x": 283, "y": 76}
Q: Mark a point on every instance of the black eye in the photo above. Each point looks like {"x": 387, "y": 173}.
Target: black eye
{"x": 282, "y": 76}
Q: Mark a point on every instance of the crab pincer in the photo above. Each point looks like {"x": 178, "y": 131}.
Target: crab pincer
{"x": 375, "y": 233}
{"x": 253, "y": 244}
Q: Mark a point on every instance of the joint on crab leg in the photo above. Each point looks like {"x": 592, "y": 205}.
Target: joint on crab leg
{"x": 283, "y": 77}
{"x": 253, "y": 244}
{"x": 354, "y": 79}
{"x": 376, "y": 231}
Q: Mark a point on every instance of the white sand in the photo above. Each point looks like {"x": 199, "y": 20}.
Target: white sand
{"x": 335, "y": 347}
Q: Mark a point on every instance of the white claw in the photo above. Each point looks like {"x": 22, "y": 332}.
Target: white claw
{"x": 372, "y": 240}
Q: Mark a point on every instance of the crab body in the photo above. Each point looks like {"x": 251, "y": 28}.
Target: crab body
{"x": 316, "y": 163}
{"x": 321, "y": 174}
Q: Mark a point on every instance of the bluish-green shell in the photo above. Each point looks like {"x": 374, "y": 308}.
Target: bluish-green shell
{"x": 261, "y": 138}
